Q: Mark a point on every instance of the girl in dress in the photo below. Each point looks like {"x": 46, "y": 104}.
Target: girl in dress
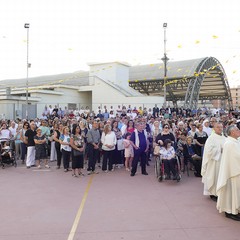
{"x": 128, "y": 151}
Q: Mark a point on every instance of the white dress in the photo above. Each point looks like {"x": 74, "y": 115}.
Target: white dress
{"x": 211, "y": 162}
{"x": 228, "y": 185}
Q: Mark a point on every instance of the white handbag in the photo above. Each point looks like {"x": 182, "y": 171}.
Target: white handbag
{"x": 120, "y": 145}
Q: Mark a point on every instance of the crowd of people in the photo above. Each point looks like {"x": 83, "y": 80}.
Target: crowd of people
{"x": 205, "y": 141}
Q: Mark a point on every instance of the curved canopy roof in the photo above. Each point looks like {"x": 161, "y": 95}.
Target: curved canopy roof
{"x": 188, "y": 81}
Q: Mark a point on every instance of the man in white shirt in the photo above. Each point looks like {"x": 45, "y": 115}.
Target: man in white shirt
{"x": 13, "y": 128}
{"x": 119, "y": 110}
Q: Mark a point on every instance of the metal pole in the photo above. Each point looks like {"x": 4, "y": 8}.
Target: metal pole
{"x": 165, "y": 59}
{"x": 165, "y": 69}
{"x": 27, "y": 25}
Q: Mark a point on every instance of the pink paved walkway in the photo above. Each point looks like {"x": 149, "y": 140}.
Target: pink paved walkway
{"x": 42, "y": 205}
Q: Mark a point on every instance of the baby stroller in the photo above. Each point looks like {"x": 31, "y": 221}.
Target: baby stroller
{"x": 7, "y": 156}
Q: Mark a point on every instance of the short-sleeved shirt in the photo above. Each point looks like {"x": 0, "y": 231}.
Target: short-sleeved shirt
{"x": 39, "y": 147}
{"x": 30, "y": 135}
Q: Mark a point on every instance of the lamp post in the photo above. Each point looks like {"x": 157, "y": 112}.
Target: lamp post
{"x": 165, "y": 60}
{"x": 27, "y": 26}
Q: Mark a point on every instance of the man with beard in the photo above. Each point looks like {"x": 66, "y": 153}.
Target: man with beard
{"x": 228, "y": 185}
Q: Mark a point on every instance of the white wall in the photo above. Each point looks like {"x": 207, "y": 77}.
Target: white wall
{"x": 103, "y": 94}
{"x": 68, "y": 96}
{"x": 9, "y": 108}
{"x": 115, "y": 72}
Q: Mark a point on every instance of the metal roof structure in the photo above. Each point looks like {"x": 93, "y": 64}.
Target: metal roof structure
{"x": 188, "y": 81}
{"x": 76, "y": 79}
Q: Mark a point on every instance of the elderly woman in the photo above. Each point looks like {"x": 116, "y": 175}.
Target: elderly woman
{"x": 192, "y": 155}
{"x": 40, "y": 147}
{"x": 179, "y": 130}
{"x": 168, "y": 156}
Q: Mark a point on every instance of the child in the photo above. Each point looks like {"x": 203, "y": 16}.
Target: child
{"x": 128, "y": 152}
{"x": 6, "y": 153}
{"x": 180, "y": 145}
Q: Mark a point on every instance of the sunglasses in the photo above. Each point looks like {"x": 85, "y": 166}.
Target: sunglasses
{"x": 166, "y": 127}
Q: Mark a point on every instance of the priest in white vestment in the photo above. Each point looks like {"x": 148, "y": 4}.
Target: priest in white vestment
{"x": 228, "y": 185}
{"x": 211, "y": 161}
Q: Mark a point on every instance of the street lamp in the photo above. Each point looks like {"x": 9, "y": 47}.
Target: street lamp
{"x": 27, "y": 26}
{"x": 165, "y": 60}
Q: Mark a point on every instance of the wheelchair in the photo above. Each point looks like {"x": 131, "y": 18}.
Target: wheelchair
{"x": 159, "y": 168}
{"x": 160, "y": 171}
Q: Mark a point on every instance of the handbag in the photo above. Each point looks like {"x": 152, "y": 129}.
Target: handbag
{"x": 120, "y": 145}
{"x": 76, "y": 153}
{"x": 156, "y": 150}
{"x": 195, "y": 157}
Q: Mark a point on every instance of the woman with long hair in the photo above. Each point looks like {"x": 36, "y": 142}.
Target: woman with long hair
{"x": 23, "y": 145}
{"x": 130, "y": 127}
{"x": 64, "y": 140}
{"x": 117, "y": 154}
{"x": 58, "y": 128}
{"x": 200, "y": 137}
{"x": 109, "y": 141}
{"x": 77, "y": 143}
{"x": 84, "y": 131}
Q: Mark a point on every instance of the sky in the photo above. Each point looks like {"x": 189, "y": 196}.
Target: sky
{"x": 65, "y": 36}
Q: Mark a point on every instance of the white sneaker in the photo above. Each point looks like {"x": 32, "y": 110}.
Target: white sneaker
{"x": 39, "y": 167}
{"x": 46, "y": 166}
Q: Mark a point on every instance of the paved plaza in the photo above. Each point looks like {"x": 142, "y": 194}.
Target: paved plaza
{"x": 52, "y": 205}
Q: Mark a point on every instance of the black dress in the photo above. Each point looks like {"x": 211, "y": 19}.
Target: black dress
{"x": 40, "y": 149}
{"x": 77, "y": 156}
